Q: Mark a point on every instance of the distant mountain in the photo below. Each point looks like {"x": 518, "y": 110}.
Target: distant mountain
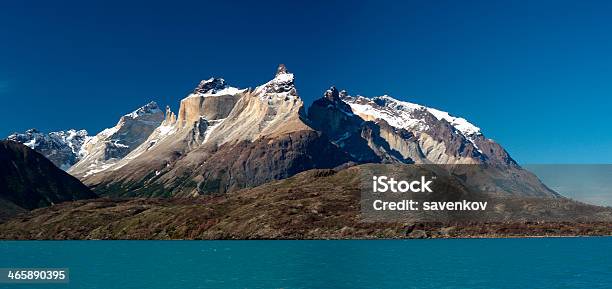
{"x": 384, "y": 129}
{"x": 63, "y": 148}
{"x": 28, "y": 180}
{"x": 112, "y": 144}
{"x": 76, "y": 151}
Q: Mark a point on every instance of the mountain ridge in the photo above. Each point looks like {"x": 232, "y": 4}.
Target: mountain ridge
{"x": 225, "y": 138}
{"x": 63, "y": 148}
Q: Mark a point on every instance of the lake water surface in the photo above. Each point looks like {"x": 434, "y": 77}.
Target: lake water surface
{"x": 454, "y": 263}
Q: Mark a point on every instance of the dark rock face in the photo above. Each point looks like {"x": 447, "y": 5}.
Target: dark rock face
{"x": 29, "y": 180}
{"x": 365, "y": 141}
{"x": 456, "y": 144}
{"x": 210, "y": 86}
{"x": 335, "y": 119}
{"x": 493, "y": 151}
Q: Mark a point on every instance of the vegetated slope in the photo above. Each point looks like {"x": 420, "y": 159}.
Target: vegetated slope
{"x": 316, "y": 204}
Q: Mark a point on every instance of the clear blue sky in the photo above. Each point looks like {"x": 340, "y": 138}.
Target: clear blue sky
{"x": 536, "y": 76}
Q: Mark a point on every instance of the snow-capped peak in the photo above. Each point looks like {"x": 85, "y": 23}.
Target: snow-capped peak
{"x": 461, "y": 124}
{"x": 210, "y": 86}
{"x": 282, "y": 86}
{"x": 61, "y": 147}
{"x": 332, "y": 94}
{"x": 400, "y": 113}
{"x": 214, "y": 86}
{"x": 148, "y": 108}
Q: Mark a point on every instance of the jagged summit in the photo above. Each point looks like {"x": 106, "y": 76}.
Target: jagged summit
{"x": 169, "y": 117}
{"x": 282, "y": 69}
{"x": 214, "y": 86}
{"x": 61, "y": 147}
{"x": 210, "y": 86}
{"x": 111, "y": 144}
{"x": 404, "y": 114}
{"x": 282, "y": 87}
{"x": 399, "y": 131}
{"x": 332, "y": 94}
{"x": 335, "y": 96}
{"x": 149, "y": 108}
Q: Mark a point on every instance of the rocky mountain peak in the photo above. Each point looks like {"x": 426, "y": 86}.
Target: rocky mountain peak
{"x": 114, "y": 143}
{"x": 335, "y": 96}
{"x": 332, "y": 94}
{"x": 148, "y": 109}
{"x": 281, "y": 87}
{"x": 282, "y": 69}
{"x": 61, "y": 147}
{"x": 211, "y": 86}
{"x": 170, "y": 117}
{"x": 343, "y": 94}
{"x": 212, "y": 99}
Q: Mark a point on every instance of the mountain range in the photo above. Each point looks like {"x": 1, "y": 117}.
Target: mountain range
{"x": 63, "y": 148}
{"x": 225, "y": 138}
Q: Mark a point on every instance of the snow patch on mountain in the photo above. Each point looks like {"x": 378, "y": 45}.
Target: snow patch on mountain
{"x": 461, "y": 124}
{"x": 147, "y": 109}
{"x": 214, "y": 86}
{"x": 111, "y": 144}
{"x": 391, "y": 116}
{"x": 213, "y": 124}
{"x": 281, "y": 87}
{"x": 400, "y": 114}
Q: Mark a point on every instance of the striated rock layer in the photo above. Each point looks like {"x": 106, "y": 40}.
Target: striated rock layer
{"x": 223, "y": 139}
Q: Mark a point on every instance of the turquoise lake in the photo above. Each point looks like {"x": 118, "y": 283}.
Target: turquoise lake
{"x": 454, "y": 263}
